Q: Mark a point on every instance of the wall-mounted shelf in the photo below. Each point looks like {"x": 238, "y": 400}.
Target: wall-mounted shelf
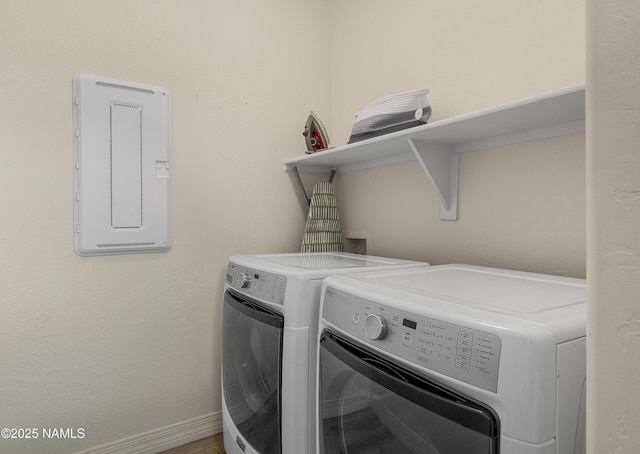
{"x": 436, "y": 146}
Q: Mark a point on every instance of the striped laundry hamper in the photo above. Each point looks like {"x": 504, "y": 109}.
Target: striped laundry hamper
{"x": 322, "y": 232}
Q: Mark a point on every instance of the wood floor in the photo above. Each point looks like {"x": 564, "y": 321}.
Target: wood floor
{"x": 209, "y": 445}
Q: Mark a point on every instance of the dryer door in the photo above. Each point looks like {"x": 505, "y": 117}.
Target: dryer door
{"x": 251, "y": 375}
{"x": 368, "y": 404}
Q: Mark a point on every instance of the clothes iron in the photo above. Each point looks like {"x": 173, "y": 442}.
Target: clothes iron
{"x": 315, "y": 135}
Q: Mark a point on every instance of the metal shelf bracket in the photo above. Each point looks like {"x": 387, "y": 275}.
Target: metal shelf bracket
{"x": 440, "y": 164}
{"x": 301, "y": 189}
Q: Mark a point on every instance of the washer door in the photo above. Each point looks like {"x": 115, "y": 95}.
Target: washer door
{"x": 251, "y": 370}
{"x": 370, "y": 405}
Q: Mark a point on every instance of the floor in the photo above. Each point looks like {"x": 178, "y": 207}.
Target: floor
{"x": 209, "y": 445}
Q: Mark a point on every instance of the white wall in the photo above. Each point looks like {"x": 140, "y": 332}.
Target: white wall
{"x": 520, "y": 206}
{"x": 128, "y": 344}
{"x": 613, "y": 343}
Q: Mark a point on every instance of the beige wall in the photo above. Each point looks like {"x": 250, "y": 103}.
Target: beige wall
{"x": 128, "y": 344}
{"x": 519, "y": 206}
{"x": 613, "y": 172}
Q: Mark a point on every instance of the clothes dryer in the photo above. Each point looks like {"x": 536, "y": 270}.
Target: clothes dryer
{"x": 452, "y": 359}
{"x": 270, "y": 320}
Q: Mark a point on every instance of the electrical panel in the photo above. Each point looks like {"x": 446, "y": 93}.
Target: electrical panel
{"x": 122, "y": 144}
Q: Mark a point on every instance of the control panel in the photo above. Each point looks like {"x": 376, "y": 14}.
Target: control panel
{"x": 259, "y": 284}
{"x": 464, "y": 353}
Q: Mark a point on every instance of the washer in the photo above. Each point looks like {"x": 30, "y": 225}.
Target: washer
{"x": 452, "y": 359}
{"x": 270, "y": 320}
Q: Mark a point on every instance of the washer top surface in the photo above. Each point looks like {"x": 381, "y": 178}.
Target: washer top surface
{"x": 292, "y": 281}
{"x": 496, "y": 289}
{"x": 321, "y": 263}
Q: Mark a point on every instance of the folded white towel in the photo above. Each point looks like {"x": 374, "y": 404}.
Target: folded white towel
{"x": 391, "y": 113}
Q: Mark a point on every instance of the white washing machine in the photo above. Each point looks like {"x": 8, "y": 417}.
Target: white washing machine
{"x": 452, "y": 359}
{"x": 270, "y": 321}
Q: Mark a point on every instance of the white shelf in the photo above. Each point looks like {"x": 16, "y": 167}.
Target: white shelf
{"x": 436, "y": 145}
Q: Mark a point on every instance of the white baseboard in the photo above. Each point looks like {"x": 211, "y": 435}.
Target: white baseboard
{"x": 164, "y": 438}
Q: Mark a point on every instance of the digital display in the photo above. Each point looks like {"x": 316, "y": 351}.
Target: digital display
{"x": 409, "y": 323}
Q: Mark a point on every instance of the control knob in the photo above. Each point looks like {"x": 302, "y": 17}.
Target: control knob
{"x": 375, "y": 327}
{"x": 245, "y": 280}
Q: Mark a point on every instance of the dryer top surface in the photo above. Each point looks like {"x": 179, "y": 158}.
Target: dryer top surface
{"x": 496, "y": 289}
{"x": 475, "y": 291}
